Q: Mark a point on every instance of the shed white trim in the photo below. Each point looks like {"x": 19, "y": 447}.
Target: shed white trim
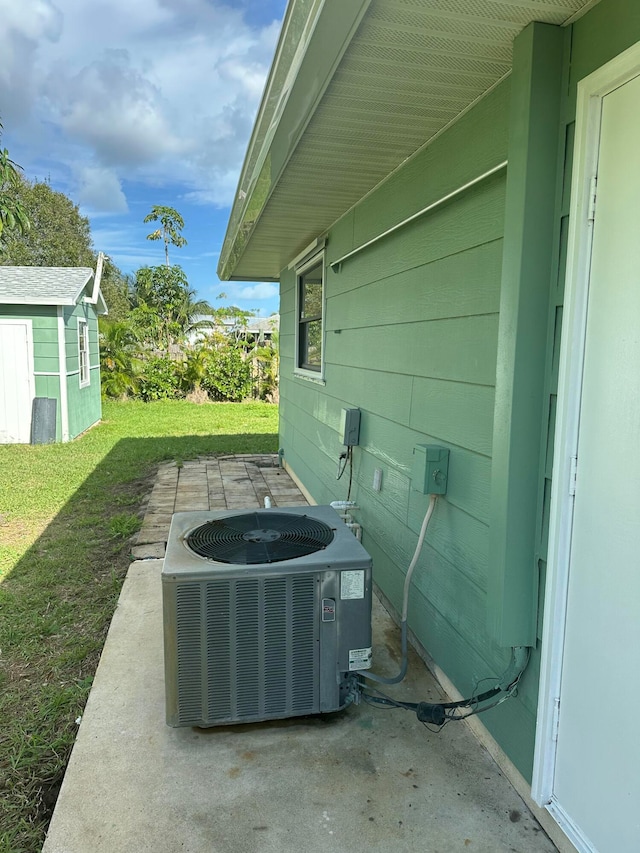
{"x": 62, "y": 364}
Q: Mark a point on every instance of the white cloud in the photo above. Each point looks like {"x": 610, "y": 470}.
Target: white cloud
{"x": 100, "y": 189}
{"x": 126, "y": 250}
{"x": 156, "y": 91}
{"x": 111, "y": 108}
{"x": 259, "y": 291}
{"x": 24, "y": 27}
{"x": 31, "y": 20}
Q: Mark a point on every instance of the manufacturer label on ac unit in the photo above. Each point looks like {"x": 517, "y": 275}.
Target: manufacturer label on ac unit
{"x": 328, "y": 610}
{"x": 359, "y": 659}
{"x": 352, "y": 584}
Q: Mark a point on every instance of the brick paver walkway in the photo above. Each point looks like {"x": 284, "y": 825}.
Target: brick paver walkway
{"x": 222, "y": 482}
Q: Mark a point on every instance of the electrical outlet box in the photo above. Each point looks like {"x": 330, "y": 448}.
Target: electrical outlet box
{"x": 430, "y": 469}
{"x": 350, "y": 427}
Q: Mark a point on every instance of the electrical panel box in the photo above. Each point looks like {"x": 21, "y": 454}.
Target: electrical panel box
{"x": 350, "y": 427}
{"x": 430, "y": 469}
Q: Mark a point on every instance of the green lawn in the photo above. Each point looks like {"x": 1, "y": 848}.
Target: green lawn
{"x": 66, "y": 512}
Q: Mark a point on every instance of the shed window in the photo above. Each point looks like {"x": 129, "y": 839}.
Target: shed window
{"x": 310, "y": 316}
{"x": 83, "y": 352}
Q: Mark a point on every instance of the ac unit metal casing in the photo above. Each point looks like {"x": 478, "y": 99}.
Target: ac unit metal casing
{"x": 244, "y": 643}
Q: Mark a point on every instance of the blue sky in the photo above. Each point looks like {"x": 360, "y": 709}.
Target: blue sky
{"x": 126, "y": 104}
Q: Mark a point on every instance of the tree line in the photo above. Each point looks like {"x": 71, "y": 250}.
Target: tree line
{"x": 159, "y": 339}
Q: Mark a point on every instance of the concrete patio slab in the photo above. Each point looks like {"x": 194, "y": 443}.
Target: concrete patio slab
{"x": 364, "y": 779}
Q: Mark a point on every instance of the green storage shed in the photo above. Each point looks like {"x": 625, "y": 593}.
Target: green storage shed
{"x": 49, "y": 351}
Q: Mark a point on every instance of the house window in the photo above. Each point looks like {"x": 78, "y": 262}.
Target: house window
{"x": 83, "y": 352}
{"x": 310, "y": 316}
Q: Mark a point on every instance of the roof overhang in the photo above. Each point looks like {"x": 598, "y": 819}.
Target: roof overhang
{"x": 354, "y": 90}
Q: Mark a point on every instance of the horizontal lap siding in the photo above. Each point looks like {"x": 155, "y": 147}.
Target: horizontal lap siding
{"x": 85, "y": 406}
{"x": 410, "y": 339}
{"x": 44, "y": 322}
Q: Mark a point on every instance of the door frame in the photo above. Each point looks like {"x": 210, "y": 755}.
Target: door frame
{"x": 11, "y": 321}
{"x": 591, "y": 91}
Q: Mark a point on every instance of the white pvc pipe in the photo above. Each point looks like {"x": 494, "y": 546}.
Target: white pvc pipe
{"x": 416, "y": 554}
{"x": 394, "y": 679}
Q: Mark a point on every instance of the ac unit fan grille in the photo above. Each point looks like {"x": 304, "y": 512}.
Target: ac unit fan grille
{"x": 257, "y": 639}
{"x": 259, "y": 537}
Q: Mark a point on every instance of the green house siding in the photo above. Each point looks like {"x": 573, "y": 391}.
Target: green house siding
{"x": 411, "y": 337}
{"x": 448, "y": 331}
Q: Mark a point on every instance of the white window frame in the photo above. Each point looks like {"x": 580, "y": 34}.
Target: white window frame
{"x": 302, "y": 372}
{"x": 84, "y": 359}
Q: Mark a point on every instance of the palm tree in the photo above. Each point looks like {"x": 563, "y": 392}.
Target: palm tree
{"x": 171, "y": 225}
{"x": 191, "y": 314}
{"x": 163, "y": 293}
{"x": 119, "y": 362}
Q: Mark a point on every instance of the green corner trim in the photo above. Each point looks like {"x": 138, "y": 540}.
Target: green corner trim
{"x": 522, "y": 336}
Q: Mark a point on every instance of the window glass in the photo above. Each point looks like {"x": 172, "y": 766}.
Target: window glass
{"x": 313, "y": 345}
{"x": 310, "y": 301}
{"x": 312, "y": 297}
{"x": 83, "y": 346}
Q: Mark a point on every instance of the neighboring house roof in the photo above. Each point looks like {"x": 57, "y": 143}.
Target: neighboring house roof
{"x": 49, "y": 286}
{"x": 355, "y": 89}
{"x": 263, "y": 324}
{"x": 254, "y": 325}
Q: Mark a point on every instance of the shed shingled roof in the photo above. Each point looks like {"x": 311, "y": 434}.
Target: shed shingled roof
{"x": 43, "y": 285}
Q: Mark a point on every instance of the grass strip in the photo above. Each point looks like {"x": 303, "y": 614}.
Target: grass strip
{"x": 67, "y": 512}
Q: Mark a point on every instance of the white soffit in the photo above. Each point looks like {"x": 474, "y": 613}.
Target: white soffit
{"x": 412, "y": 67}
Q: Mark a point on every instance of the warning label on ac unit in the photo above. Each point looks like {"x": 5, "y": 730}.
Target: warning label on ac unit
{"x": 352, "y": 584}
{"x": 359, "y": 659}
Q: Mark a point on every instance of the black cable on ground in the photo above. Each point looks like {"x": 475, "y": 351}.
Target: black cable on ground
{"x": 439, "y": 713}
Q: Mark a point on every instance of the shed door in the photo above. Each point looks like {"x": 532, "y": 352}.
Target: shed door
{"x": 597, "y": 775}
{"x": 17, "y": 386}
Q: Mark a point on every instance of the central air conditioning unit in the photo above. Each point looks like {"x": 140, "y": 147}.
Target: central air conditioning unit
{"x": 265, "y": 614}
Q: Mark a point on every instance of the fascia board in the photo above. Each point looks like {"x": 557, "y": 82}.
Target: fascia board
{"x": 37, "y": 300}
{"x": 82, "y": 289}
{"x": 266, "y": 279}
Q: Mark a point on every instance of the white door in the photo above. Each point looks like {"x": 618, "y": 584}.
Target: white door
{"x": 596, "y": 779}
{"x": 17, "y": 386}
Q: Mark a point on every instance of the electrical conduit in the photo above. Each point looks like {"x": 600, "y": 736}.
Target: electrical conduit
{"x": 405, "y": 604}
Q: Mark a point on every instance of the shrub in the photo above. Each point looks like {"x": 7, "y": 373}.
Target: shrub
{"x": 227, "y": 375}
{"x": 160, "y": 379}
